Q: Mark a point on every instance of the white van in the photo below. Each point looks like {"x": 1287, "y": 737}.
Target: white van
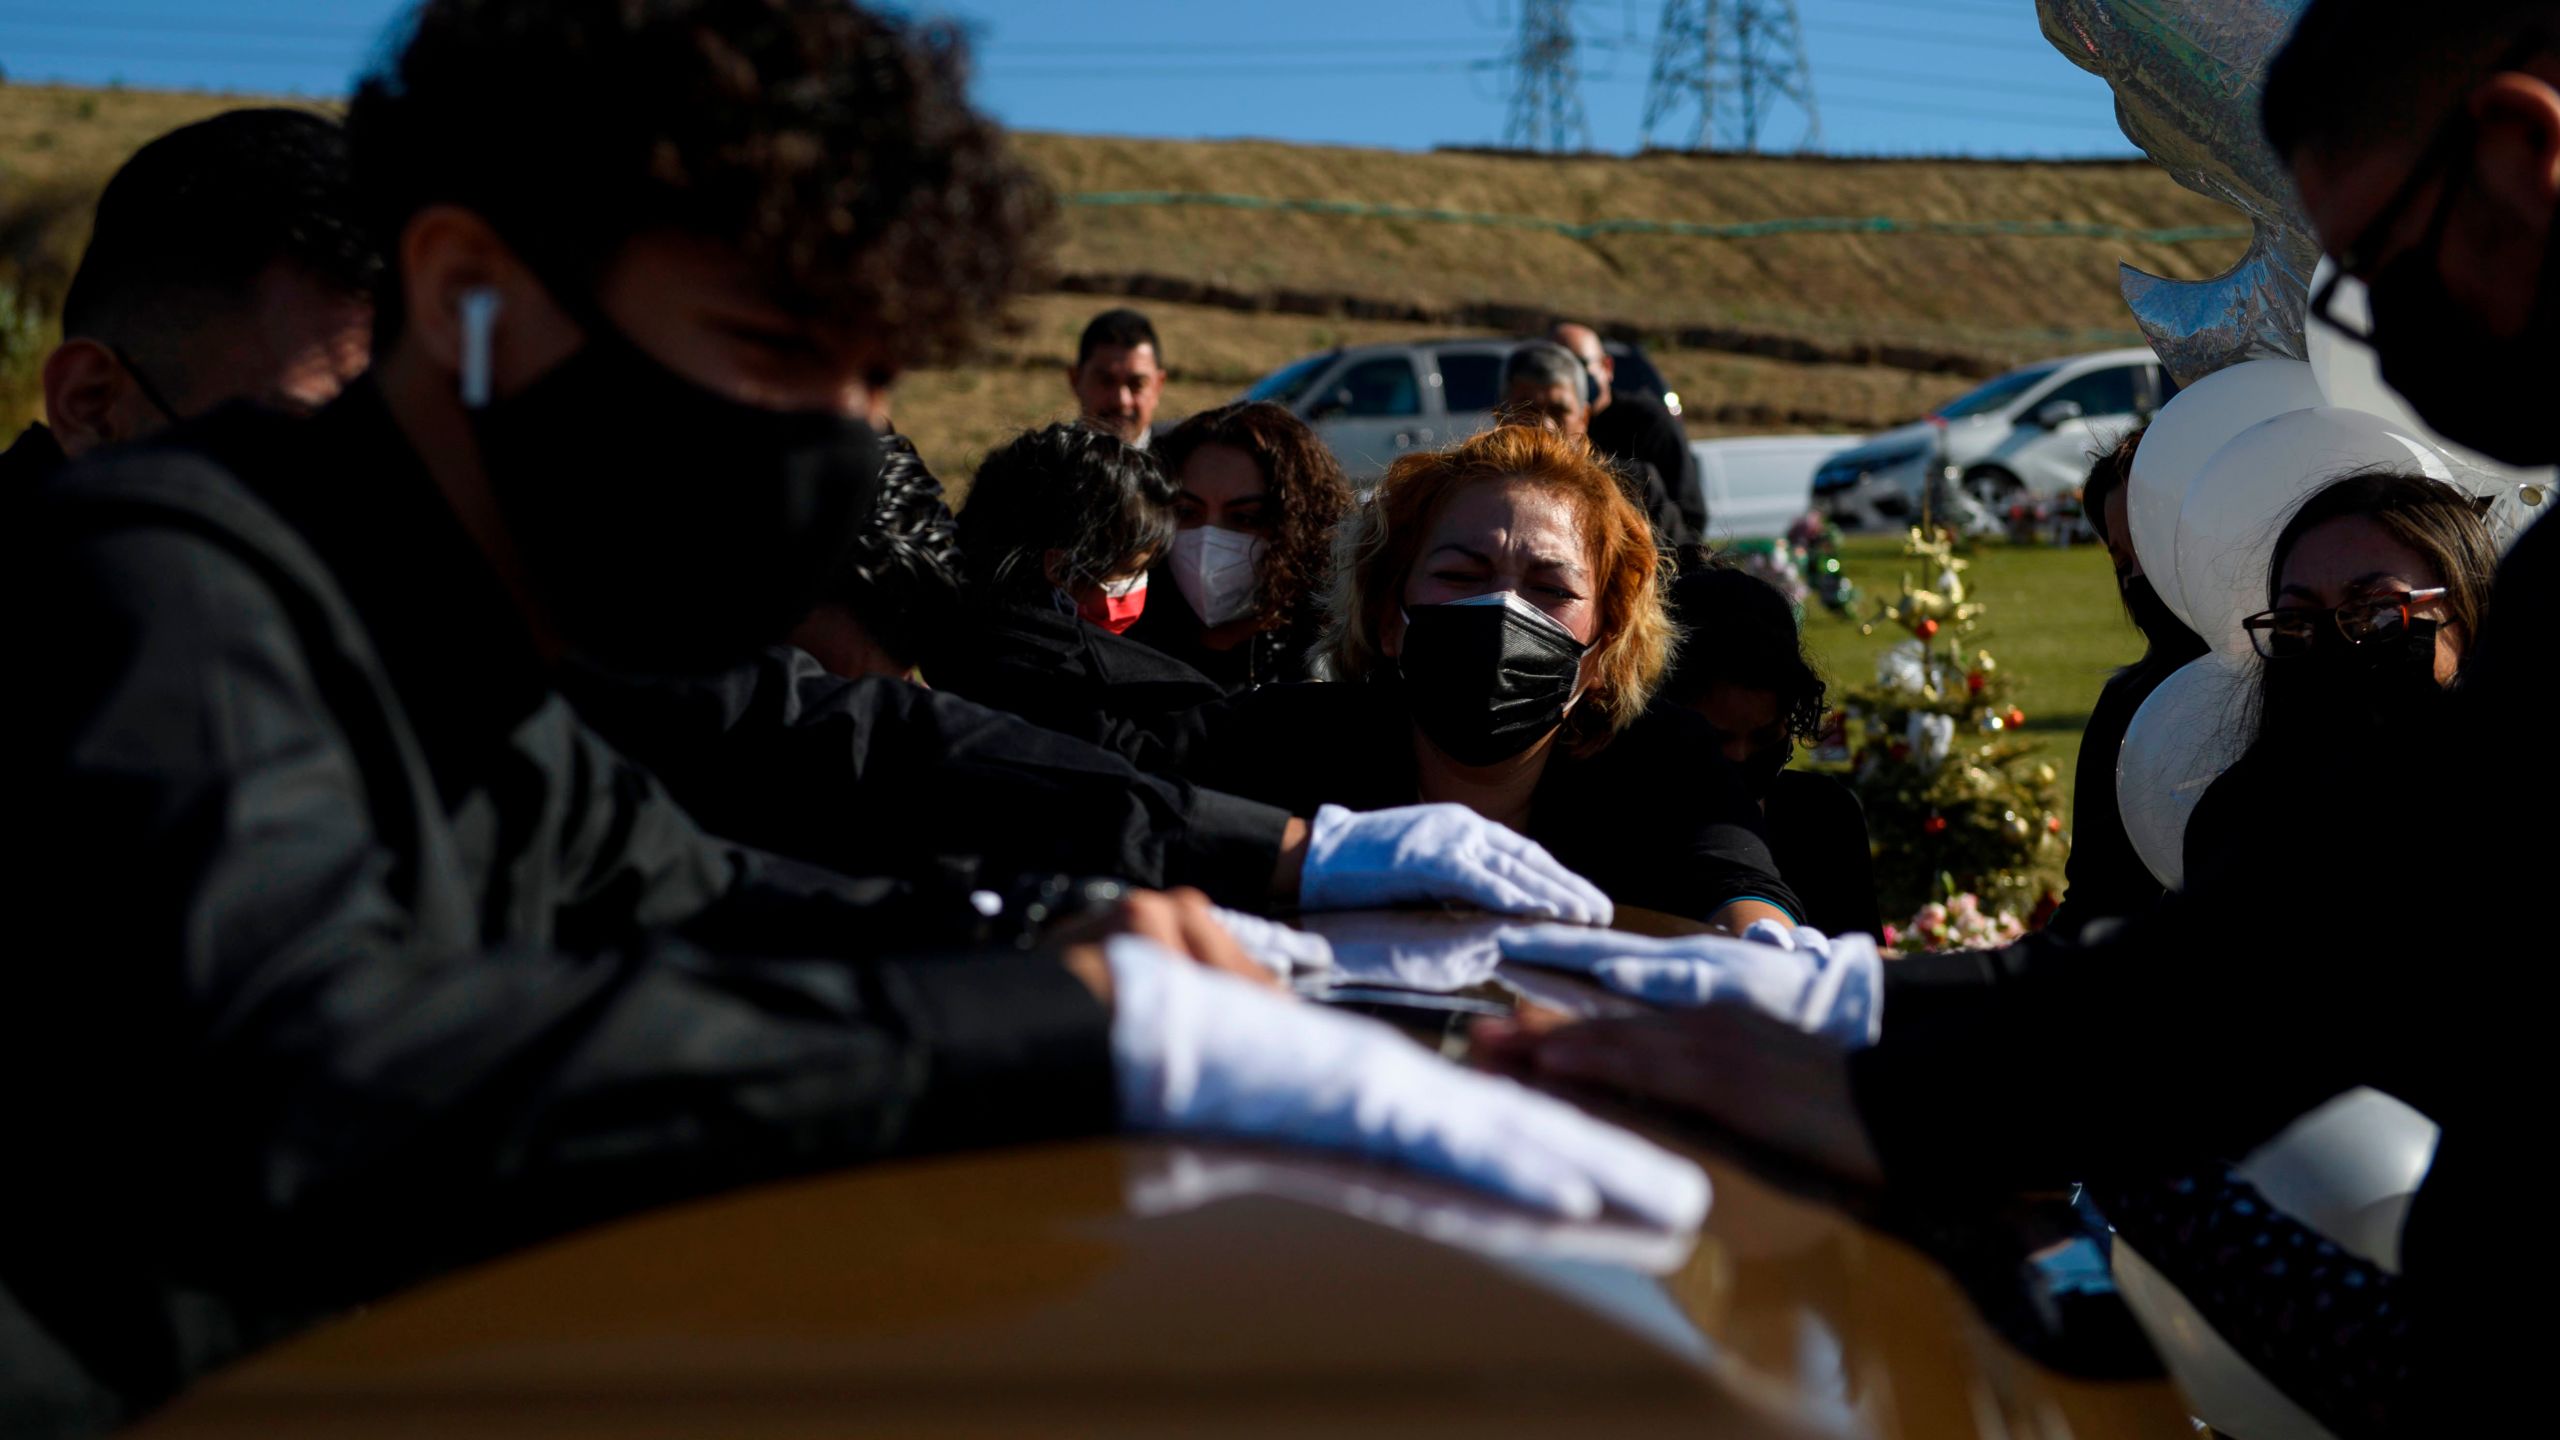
{"x": 1758, "y": 486}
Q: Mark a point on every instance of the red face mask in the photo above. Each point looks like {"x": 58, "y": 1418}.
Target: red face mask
{"x": 1115, "y": 605}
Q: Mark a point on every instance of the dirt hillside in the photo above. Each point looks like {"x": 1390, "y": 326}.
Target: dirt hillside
{"x": 1760, "y": 305}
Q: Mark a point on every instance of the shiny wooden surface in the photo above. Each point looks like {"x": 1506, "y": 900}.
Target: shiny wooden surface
{"x": 1126, "y": 1287}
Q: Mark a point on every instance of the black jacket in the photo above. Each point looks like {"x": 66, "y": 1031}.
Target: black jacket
{"x": 1281, "y": 656}
{"x": 1818, "y": 835}
{"x": 882, "y": 777}
{"x": 2398, "y": 943}
{"x": 1638, "y": 428}
{"x": 1655, "y": 818}
{"x": 1066, "y": 674}
{"x": 34, "y": 455}
{"x": 2105, "y": 878}
{"x": 348, "y": 954}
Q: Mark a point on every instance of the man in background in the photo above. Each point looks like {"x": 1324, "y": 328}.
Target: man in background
{"x": 1118, "y": 377}
{"x": 1630, "y": 425}
{"x": 226, "y": 264}
{"x": 1545, "y": 384}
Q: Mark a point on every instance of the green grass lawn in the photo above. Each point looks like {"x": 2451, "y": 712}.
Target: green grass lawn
{"x": 2050, "y": 619}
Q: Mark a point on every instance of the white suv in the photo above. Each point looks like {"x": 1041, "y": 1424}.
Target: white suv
{"x": 2028, "y": 435}
{"x": 1372, "y": 403}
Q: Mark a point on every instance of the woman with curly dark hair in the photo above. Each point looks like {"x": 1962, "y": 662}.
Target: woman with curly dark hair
{"x": 1742, "y": 668}
{"x": 1258, "y": 499}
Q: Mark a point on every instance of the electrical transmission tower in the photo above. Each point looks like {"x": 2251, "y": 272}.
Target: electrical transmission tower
{"x": 1735, "y": 59}
{"x": 1546, "y": 92}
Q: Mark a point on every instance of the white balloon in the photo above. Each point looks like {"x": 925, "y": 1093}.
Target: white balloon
{"x": 2350, "y": 374}
{"x": 2242, "y": 497}
{"x": 2196, "y": 422}
{"x": 2348, "y": 1170}
{"x": 2186, "y": 733}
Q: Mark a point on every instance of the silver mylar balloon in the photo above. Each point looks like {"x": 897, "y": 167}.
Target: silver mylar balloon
{"x": 2187, "y": 76}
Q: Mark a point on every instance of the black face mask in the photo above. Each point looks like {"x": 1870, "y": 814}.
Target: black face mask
{"x": 2482, "y": 390}
{"x": 666, "y": 526}
{"x": 2353, "y": 695}
{"x": 1487, "y": 677}
{"x": 1759, "y": 771}
{"x": 2160, "y": 626}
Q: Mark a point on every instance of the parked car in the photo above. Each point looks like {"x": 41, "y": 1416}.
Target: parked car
{"x": 1757, "y": 486}
{"x": 2027, "y": 435}
{"x": 1371, "y": 403}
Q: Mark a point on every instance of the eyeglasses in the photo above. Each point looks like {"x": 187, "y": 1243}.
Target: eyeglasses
{"x": 2286, "y": 634}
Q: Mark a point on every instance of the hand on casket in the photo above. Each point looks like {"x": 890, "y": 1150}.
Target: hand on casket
{"x": 1203, "y": 1053}
{"x": 1832, "y": 988}
{"x": 1358, "y": 860}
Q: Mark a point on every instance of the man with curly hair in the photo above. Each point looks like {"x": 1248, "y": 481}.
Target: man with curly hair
{"x": 354, "y": 955}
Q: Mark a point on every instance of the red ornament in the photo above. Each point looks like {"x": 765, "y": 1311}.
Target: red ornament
{"x": 1928, "y": 629}
{"x": 1934, "y": 825}
{"x": 1974, "y": 682}
{"x": 2053, "y": 823}
{"x": 2017, "y": 717}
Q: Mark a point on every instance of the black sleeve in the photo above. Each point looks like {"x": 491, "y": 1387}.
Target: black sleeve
{"x": 1827, "y": 837}
{"x": 1666, "y": 445}
{"x": 1722, "y": 856}
{"x": 1646, "y": 485}
{"x": 2198, "y": 1029}
{"x": 280, "y": 1056}
{"x": 882, "y": 776}
{"x": 1658, "y": 820}
{"x": 2105, "y": 878}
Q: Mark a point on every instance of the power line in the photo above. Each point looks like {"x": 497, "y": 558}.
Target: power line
{"x": 1546, "y": 95}
{"x": 1736, "y": 59}
{"x": 1940, "y": 37}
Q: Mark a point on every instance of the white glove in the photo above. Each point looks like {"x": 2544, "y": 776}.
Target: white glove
{"x": 1359, "y": 861}
{"x": 1206, "y": 1053}
{"x": 1424, "y": 950}
{"x": 1819, "y": 985}
{"x": 1285, "y": 952}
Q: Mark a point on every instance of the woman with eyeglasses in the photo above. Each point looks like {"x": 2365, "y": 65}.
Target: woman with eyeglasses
{"x": 2375, "y": 590}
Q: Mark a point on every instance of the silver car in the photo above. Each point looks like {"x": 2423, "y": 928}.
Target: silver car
{"x": 1372, "y": 403}
{"x": 2027, "y": 435}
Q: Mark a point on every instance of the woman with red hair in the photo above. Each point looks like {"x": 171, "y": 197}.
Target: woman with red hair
{"x": 1498, "y": 631}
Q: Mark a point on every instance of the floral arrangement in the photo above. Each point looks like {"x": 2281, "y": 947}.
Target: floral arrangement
{"x": 1957, "y": 798}
{"x": 1959, "y": 924}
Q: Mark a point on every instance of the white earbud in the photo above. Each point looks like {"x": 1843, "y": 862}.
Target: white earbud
{"x": 479, "y": 322}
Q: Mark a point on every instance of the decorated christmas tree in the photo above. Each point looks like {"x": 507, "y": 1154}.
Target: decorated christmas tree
{"x": 1958, "y": 799}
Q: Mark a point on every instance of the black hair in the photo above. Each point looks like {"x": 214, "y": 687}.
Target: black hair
{"x": 1738, "y": 630}
{"x": 1106, "y": 506}
{"x": 2110, "y": 470}
{"x": 901, "y": 579}
{"x": 186, "y": 228}
{"x": 834, "y": 147}
{"x": 1123, "y": 329}
{"x": 2359, "y": 72}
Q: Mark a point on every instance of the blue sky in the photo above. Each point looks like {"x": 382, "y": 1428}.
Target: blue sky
{"x": 1890, "y": 76}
